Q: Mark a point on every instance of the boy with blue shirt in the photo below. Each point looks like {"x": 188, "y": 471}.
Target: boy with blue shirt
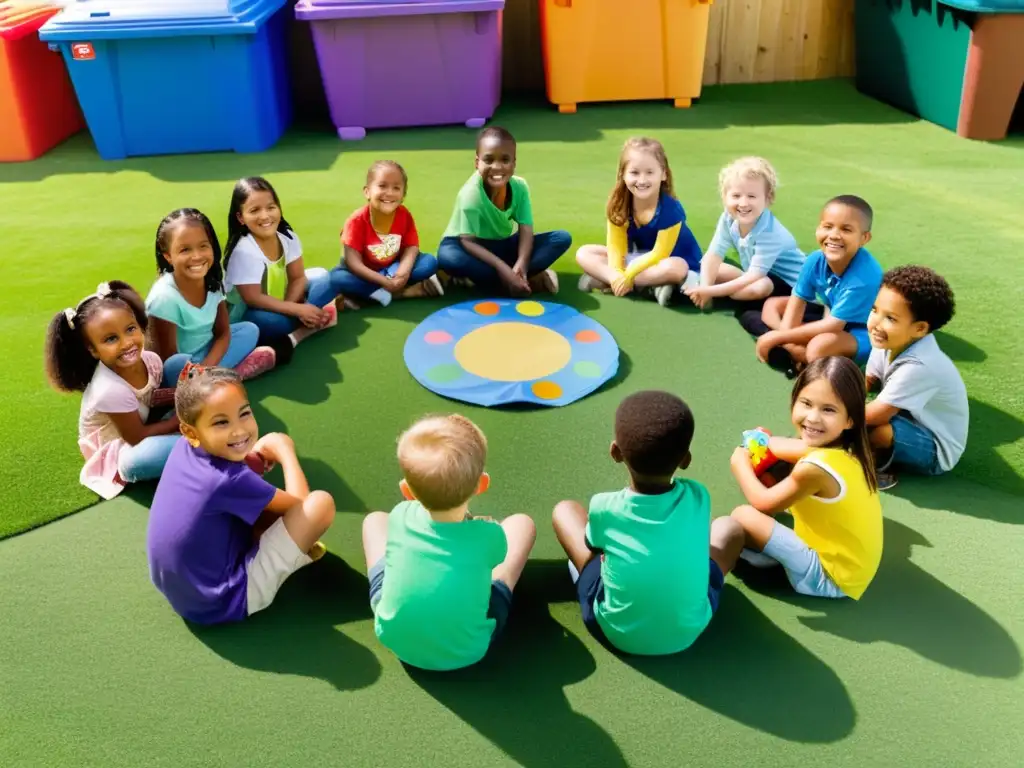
{"x": 827, "y": 314}
{"x": 648, "y": 576}
{"x": 441, "y": 580}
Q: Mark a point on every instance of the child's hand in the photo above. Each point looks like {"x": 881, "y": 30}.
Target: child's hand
{"x": 275, "y": 446}
{"x": 622, "y": 285}
{"x": 516, "y": 283}
{"x": 310, "y": 316}
{"x": 520, "y": 269}
{"x": 698, "y": 295}
{"x": 766, "y": 344}
{"x": 399, "y": 281}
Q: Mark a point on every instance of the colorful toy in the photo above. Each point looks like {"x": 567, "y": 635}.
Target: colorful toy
{"x": 761, "y": 457}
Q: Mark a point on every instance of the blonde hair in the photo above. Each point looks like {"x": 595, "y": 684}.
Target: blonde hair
{"x": 750, "y": 168}
{"x": 620, "y": 198}
{"x": 442, "y": 459}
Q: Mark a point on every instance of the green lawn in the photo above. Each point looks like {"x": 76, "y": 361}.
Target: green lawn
{"x": 95, "y": 670}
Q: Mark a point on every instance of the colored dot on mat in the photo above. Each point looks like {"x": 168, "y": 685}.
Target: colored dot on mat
{"x": 486, "y": 308}
{"x": 513, "y": 352}
{"x": 588, "y": 337}
{"x": 546, "y": 390}
{"x": 530, "y": 308}
{"x": 587, "y": 369}
{"x": 437, "y": 337}
{"x": 444, "y": 373}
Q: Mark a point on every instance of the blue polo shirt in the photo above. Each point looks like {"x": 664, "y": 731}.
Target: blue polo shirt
{"x": 850, "y": 296}
{"x": 768, "y": 248}
{"x": 668, "y": 213}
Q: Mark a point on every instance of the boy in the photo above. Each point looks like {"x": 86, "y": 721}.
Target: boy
{"x": 645, "y": 583}
{"x": 481, "y": 244}
{"x": 919, "y": 420}
{"x": 441, "y": 581}
{"x": 844, "y": 277}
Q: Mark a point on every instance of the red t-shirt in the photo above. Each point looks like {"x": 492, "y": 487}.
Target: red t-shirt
{"x": 379, "y": 251}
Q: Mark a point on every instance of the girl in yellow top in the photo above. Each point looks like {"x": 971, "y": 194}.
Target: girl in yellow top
{"x": 649, "y": 245}
{"x": 835, "y": 546}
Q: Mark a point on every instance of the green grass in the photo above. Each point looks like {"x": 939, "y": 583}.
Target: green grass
{"x": 926, "y": 669}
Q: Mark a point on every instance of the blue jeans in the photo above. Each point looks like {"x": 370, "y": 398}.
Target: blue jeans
{"x": 458, "y": 262}
{"x": 347, "y": 284}
{"x": 243, "y": 341}
{"x": 913, "y": 447}
{"x": 320, "y": 292}
{"x": 146, "y": 459}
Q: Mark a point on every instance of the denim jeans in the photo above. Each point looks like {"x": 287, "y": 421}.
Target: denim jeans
{"x": 243, "y": 341}
{"x": 348, "y": 284}
{"x": 458, "y": 262}
{"x": 320, "y": 292}
{"x": 146, "y": 459}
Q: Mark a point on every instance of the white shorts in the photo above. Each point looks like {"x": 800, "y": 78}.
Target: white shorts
{"x": 277, "y": 558}
{"x": 803, "y": 567}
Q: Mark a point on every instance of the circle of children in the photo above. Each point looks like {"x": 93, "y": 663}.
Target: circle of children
{"x": 222, "y": 540}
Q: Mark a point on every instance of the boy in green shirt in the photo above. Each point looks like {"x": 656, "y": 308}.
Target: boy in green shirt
{"x": 441, "y": 580}
{"x": 482, "y": 243}
{"x": 644, "y": 578}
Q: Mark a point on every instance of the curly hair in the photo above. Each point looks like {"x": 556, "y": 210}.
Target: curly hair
{"x": 196, "y": 384}
{"x": 653, "y": 430}
{"x": 928, "y": 294}
{"x": 750, "y": 168}
{"x": 190, "y": 216}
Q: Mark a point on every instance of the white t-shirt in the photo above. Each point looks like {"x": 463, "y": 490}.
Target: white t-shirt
{"x": 98, "y": 438}
{"x": 925, "y": 383}
{"x": 248, "y": 263}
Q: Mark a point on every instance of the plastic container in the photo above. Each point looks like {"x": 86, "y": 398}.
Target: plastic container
{"x": 394, "y": 63}
{"x": 598, "y": 50}
{"x": 957, "y": 64}
{"x": 36, "y": 98}
{"x": 158, "y": 77}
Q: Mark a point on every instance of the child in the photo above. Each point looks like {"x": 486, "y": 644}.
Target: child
{"x": 649, "y": 244}
{"x": 770, "y": 259}
{"x": 835, "y": 546}
{"x": 481, "y": 245}
{"x": 97, "y": 348}
{"x": 844, "y": 277}
{"x": 920, "y": 418}
{"x": 441, "y": 580}
{"x": 644, "y": 578}
{"x": 186, "y": 303}
{"x": 264, "y": 276}
{"x": 221, "y": 539}
{"x": 381, "y": 257}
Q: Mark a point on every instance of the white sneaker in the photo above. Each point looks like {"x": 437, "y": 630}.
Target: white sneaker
{"x": 586, "y": 283}
{"x": 758, "y": 559}
{"x": 573, "y": 572}
{"x": 663, "y": 294}
{"x": 436, "y": 289}
{"x": 692, "y": 280}
{"x": 384, "y": 297}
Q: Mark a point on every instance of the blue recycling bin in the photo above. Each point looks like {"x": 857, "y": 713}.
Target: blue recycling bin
{"x": 160, "y": 77}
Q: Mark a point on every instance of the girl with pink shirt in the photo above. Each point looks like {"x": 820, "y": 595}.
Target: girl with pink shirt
{"x": 96, "y": 348}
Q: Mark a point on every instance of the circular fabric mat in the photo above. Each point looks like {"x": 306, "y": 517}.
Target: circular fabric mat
{"x": 500, "y": 351}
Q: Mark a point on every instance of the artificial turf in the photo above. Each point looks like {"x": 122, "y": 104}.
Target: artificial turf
{"x": 96, "y": 670}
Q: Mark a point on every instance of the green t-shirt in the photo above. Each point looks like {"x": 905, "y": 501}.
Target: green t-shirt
{"x": 475, "y": 215}
{"x": 655, "y": 567}
{"x": 437, "y": 588}
{"x": 194, "y": 324}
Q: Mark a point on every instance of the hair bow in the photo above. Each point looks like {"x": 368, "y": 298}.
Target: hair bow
{"x": 69, "y": 315}
{"x": 191, "y": 370}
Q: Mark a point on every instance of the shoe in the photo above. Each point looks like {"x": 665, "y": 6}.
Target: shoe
{"x": 751, "y": 322}
{"x": 258, "y": 362}
{"x": 887, "y": 480}
{"x": 692, "y": 280}
{"x": 284, "y": 349}
{"x": 780, "y": 360}
{"x": 433, "y": 286}
{"x": 545, "y": 282}
{"x": 317, "y": 551}
{"x": 332, "y": 316}
{"x": 664, "y": 294}
{"x": 381, "y": 296}
{"x": 758, "y": 559}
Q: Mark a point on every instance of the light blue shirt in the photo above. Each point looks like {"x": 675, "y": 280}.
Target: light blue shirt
{"x": 194, "y": 324}
{"x": 767, "y": 248}
{"x": 849, "y": 296}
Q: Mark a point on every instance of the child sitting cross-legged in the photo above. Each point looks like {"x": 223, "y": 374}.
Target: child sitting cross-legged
{"x": 441, "y": 580}
{"x": 648, "y": 571}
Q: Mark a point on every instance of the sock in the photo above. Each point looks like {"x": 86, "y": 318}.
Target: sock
{"x": 382, "y": 296}
{"x": 758, "y": 559}
{"x": 573, "y": 572}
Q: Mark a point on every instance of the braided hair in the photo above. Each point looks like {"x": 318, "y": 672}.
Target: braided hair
{"x": 215, "y": 277}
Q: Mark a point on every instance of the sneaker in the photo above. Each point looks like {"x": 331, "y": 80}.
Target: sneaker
{"x": 758, "y": 559}
{"x": 780, "y": 360}
{"x": 545, "y": 282}
{"x": 433, "y": 286}
{"x": 332, "y": 316}
{"x": 664, "y": 294}
{"x": 692, "y": 280}
{"x": 887, "y": 480}
{"x": 258, "y": 362}
{"x": 317, "y": 551}
{"x": 381, "y": 296}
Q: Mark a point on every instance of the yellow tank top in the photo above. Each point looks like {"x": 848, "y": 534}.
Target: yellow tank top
{"x": 845, "y": 531}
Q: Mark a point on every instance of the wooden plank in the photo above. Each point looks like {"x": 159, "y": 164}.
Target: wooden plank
{"x": 739, "y": 49}
{"x": 716, "y": 37}
{"x": 766, "y": 65}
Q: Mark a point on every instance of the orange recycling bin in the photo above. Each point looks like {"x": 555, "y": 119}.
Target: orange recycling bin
{"x": 38, "y": 108}
{"x": 623, "y": 50}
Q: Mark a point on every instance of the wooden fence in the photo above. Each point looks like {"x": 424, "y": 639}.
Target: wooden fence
{"x": 749, "y": 41}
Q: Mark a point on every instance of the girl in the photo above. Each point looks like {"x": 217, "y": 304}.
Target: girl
{"x": 96, "y": 348}
{"x": 190, "y": 317}
{"x": 770, "y": 259}
{"x": 222, "y": 540}
{"x": 264, "y": 275}
{"x": 382, "y": 258}
{"x": 835, "y": 546}
{"x": 649, "y": 244}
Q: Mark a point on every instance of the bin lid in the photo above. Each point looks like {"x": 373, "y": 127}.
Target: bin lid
{"x": 20, "y": 18}
{"x": 326, "y": 10}
{"x": 116, "y": 19}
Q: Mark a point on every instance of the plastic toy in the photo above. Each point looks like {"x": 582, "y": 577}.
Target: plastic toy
{"x": 761, "y": 457}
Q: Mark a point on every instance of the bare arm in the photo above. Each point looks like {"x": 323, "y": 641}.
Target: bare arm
{"x": 804, "y": 333}
{"x": 733, "y": 286}
{"x": 788, "y": 449}
{"x": 525, "y": 244}
{"x": 872, "y": 384}
{"x": 297, "y": 283}
{"x": 134, "y": 430}
{"x": 477, "y": 251}
{"x": 254, "y": 297}
{"x": 165, "y": 337}
{"x": 279, "y": 448}
{"x": 408, "y": 260}
{"x": 221, "y": 336}
{"x": 805, "y": 480}
{"x": 878, "y": 413}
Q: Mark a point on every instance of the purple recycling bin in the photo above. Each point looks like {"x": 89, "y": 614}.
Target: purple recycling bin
{"x": 395, "y": 63}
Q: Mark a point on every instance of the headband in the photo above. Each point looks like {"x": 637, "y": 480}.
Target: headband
{"x": 102, "y": 290}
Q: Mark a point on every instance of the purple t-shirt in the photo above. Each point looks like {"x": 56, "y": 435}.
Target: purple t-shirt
{"x": 199, "y": 540}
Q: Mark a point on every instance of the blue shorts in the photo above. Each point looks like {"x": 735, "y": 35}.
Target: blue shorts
{"x": 859, "y": 331}
{"x": 498, "y": 609}
{"x": 913, "y": 447}
{"x": 590, "y": 589}
{"x": 802, "y": 564}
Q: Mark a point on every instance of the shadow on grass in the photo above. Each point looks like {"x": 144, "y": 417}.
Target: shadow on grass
{"x": 907, "y": 606}
{"x": 990, "y": 428}
{"x": 515, "y": 697}
{"x": 298, "y": 634}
